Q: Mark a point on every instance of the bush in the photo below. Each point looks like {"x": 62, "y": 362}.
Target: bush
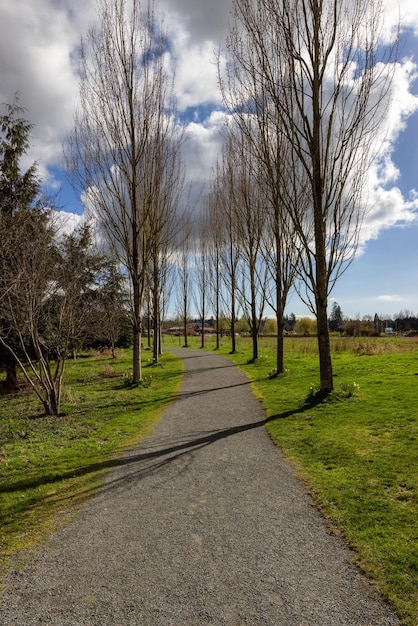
{"x": 305, "y": 326}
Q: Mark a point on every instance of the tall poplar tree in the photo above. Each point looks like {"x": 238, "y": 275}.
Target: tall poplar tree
{"x": 124, "y": 151}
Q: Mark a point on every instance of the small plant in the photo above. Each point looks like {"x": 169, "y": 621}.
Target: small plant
{"x": 313, "y": 391}
{"x": 347, "y": 390}
{"x": 272, "y": 373}
{"x": 129, "y": 383}
{"x": 146, "y": 382}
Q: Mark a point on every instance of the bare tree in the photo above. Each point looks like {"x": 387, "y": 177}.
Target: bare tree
{"x": 27, "y": 266}
{"x": 46, "y": 304}
{"x": 319, "y": 67}
{"x": 283, "y": 189}
{"x": 202, "y": 274}
{"x": 25, "y": 282}
{"x": 123, "y": 150}
{"x": 247, "y": 201}
{"x": 221, "y": 216}
{"x": 184, "y": 281}
{"x": 215, "y": 249}
{"x": 265, "y": 148}
{"x": 166, "y": 184}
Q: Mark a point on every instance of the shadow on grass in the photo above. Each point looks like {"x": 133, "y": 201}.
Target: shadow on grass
{"x": 161, "y": 454}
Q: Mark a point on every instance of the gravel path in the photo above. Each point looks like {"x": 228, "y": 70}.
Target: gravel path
{"x": 202, "y": 523}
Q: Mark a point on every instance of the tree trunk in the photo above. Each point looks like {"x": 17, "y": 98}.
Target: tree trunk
{"x": 137, "y": 331}
{"x": 148, "y": 330}
{"x": 254, "y": 320}
{"x": 11, "y": 378}
{"x": 156, "y": 313}
{"x": 280, "y": 343}
{"x": 254, "y": 335}
{"x": 202, "y": 321}
{"x": 51, "y": 403}
{"x": 136, "y": 364}
{"x": 233, "y": 337}
{"x": 217, "y": 306}
{"x": 280, "y": 300}
{"x": 156, "y": 342}
{"x": 324, "y": 347}
{"x": 321, "y": 300}
{"x": 186, "y": 345}
{"x": 321, "y": 279}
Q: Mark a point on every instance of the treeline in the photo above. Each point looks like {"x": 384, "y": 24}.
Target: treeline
{"x": 286, "y": 200}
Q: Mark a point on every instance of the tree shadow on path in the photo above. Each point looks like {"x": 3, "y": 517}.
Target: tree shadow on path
{"x": 163, "y": 453}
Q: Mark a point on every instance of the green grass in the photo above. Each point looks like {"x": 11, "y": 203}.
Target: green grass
{"x": 357, "y": 451}
{"x": 48, "y": 463}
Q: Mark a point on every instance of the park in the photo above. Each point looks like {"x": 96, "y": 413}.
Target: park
{"x": 355, "y": 451}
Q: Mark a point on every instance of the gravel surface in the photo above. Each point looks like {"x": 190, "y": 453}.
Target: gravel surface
{"x": 202, "y": 523}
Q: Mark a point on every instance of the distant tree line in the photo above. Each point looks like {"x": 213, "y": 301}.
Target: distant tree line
{"x": 369, "y": 325}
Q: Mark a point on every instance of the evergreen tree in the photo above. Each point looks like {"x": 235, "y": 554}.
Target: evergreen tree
{"x": 289, "y": 322}
{"x": 19, "y": 197}
{"x": 18, "y": 190}
{"x": 336, "y": 318}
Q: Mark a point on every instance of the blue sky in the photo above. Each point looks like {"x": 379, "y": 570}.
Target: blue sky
{"x": 38, "y": 39}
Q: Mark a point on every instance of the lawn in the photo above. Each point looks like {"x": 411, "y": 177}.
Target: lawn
{"x": 357, "y": 451}
{"x": 48, "y": 463}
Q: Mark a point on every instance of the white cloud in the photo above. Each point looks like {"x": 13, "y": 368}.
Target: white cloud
{"x": 386, "y": 205}
{"x": 404, "y": 102}
{"x": 392, "y": 298}
{"x": 36, "y": 41}
{"x": 203, "y": 145}
{"x": 66, "y": 222}
{"x": 194, "y": 56}
{"x": 387, "y": 208}
{"x": 196, "y": 76}
{"x": 404, "y": 10}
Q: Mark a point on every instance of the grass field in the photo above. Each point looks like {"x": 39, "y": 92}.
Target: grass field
{"x": 357, "y": 451}
{"x": 49, "y": 463}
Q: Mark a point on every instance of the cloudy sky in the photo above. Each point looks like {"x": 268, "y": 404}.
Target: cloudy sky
{"x": 38, "y": 40}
